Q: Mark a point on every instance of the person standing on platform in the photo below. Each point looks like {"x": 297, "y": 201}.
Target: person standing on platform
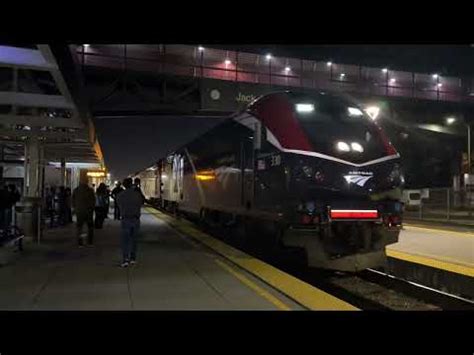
{"x": 101, "y": 205}
{"x": 130, "y": 202}
{"x": 118, "y": 189}
{"x": 83, "y": 201}
{"x": 4, "y": 202}
{"x": 137, "y": 185}
{"x": 68, "y": 206}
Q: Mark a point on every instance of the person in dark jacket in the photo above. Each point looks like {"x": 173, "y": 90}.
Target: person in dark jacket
{"x": 101, "y": 205}
{"x": 83, "y": 201}
{"x": 130, "y": 202}
{"x": 4, "y": 202}
{"x": 118, "y": 189}
{"x": 138, "y": 187}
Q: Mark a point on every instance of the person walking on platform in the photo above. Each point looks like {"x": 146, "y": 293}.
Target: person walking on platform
{"x": 118, "y": 189}
{"x": 83, "y": 201}
{"x": 101, "y": 205}
{"x": 130, "y": 202}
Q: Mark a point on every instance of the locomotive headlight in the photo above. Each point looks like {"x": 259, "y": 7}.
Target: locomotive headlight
{"x": 357, "y": 147}
{"x": 305, "y": 108}
{"x": 343, "y": 146}
{"x": 354, "y": 111}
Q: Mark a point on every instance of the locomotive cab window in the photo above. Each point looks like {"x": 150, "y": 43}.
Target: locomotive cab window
{"x": 339, "y": 128}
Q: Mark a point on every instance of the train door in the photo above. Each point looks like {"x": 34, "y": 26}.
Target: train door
{"x": 249, "y": 147}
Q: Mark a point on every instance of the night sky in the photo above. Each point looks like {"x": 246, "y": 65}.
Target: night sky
{"x": 131, "y": 144}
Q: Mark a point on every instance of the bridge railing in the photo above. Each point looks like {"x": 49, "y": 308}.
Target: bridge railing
{"x": 220, "y": 64}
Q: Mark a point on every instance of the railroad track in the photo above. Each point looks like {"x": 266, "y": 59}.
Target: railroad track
{"x": 367, "y": 290}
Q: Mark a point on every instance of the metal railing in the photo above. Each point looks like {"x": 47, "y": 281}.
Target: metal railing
{"x": 443, "y": 204}
{"x": 194, "y": 61}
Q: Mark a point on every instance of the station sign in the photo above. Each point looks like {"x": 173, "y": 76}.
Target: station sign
{"x": 221, "y": 95}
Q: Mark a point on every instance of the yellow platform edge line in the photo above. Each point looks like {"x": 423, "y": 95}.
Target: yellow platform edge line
{"x": 301, "y": 292}
{"x": 260, "y": 291}
{"x": 432, "y": 262}
{"x": 429, "y": 229}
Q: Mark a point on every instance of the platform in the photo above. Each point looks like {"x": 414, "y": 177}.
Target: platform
{"x": 440, "y": 248}
{"x": 173, "y": 273}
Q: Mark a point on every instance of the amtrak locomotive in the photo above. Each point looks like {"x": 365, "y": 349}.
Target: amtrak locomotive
{"x": 312, "y": 171}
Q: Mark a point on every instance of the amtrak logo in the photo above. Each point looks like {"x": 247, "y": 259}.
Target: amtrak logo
{"x": 359, "y": 180}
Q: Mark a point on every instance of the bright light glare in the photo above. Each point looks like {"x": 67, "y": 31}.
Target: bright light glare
{"x": 384, "y": 70}
{"x": 373, "y": 111}
{"x": 227, "y": 61}
{"x": 86, "y": 45}
{"x": 343, "y": 75}
{"x": 304, "y": 107}
{"x": 450, "y": 120}
{"x": 357, "y": 147}
{"x": 268, "y": 56}
{"x": 329, "y": 64}
{"x": 392, "y": 80}
{"x": 439, "y": 85}
{"x": 435, "y": 76}
{"x": 343, "y": 146}
{"x": 200, "y": 49}
{"x": 353, "y": 111}
{"x": 164, "y": 176}
{"x": 287, "y": 69}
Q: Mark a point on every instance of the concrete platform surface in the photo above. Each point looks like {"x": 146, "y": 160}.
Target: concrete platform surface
{"x": 173, "y": 273}
{"x": 449, "y": 246}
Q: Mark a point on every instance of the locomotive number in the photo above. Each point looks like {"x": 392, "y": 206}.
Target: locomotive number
{"x": 276, "y": 160}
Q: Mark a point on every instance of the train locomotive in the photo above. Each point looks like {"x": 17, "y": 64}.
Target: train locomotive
{"x": 313, "y": 171}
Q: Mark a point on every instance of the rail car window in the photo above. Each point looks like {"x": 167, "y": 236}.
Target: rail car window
{"x": 337, "y": 127}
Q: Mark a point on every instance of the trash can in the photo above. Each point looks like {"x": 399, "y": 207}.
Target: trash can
{"x": 27, "y": 213}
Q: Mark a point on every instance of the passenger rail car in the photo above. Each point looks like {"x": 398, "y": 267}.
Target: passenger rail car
{"x": 313, "y": 171}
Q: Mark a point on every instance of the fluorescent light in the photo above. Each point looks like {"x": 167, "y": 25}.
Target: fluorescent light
{"x": 287, "y": 69}
{"x": 435, "y": 76}
{"x": 343, "y": 75}
{"x": 268, "y": 56}
{"x": 384, "y": 70}
{"x": 304, "y": 107}
{"x": 439, "y": 85}
{"x": 373, "y": 111}
{"x": 357, "y": 147}
{"x": 227, "y": 61}
{"x": 200, "y": 49}
{"x": 343, "y": 146}
{"x": 329, "y": 64}
{"x": 354, "y": 111}
{"x": 86, "y": 45}
{"x": 393, "y": 80}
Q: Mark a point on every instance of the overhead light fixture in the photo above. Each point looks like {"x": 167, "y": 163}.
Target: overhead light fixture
{"x": 287, "y": 69}
{"x": 392, "y": 81}
{"x": 435, "y": 76}
{"x": 357, "y": 147}
{"x": 343, "y": 146}
{"x": 200, "y": 49}
{"x": 305, "y": 108}
{"x": 384, "y": 70}
{"x": 450, "y": 120}
{"x": 373, "y": 111}
{"x": 268, "y": 56}
{"x": 354, "y": 111}
{"x": 227, "y": 62}
{"x": 86, "y": 45}
{"x": 329, "y": 64}
{"x": 439, "y": 85}
{"x": 343, "y": 75}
